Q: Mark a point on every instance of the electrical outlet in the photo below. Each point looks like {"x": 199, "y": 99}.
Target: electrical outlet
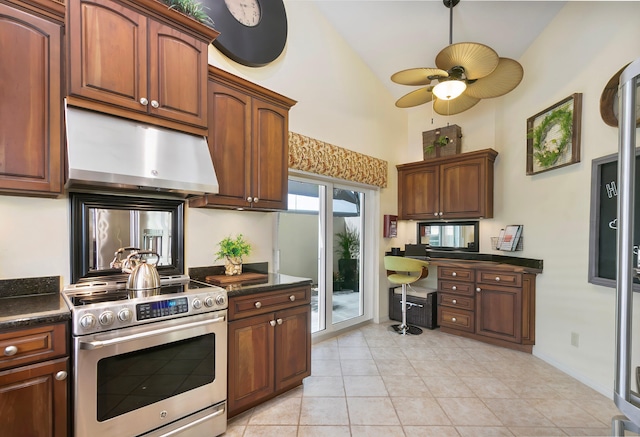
{"x": 575, "y": 339}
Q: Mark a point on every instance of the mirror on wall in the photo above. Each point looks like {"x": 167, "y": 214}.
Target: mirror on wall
{"x": 461, "y": 236}
{"x": 102, "y": 224}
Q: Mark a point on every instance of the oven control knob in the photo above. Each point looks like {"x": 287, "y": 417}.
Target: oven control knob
{"x": 208, "y": 301}
{"x": 88, "y": 321}
{"x": 220, "y": 299}
{"x": 197, "y": 303}
{"x": 125, "y": 314}
{"x": 107, "y": 318}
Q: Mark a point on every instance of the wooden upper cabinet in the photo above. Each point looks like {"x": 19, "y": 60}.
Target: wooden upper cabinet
{"x": 454, "y": 187}
{"x": 127, "y": 60}
{"x": 249, "y": 144}
{"x": 31, "y": 146}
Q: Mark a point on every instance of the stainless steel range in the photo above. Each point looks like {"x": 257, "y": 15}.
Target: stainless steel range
{"x": 149, "y": 364}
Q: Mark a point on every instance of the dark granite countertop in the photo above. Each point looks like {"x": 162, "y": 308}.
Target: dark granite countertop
{"x": 273, "y": 281}
{"x": 31, "y": 301}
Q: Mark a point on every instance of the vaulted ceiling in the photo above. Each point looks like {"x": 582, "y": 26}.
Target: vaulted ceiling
{"x": 393, "y": 35}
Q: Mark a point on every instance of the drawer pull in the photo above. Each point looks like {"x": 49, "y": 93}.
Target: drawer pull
{"x": 272, "y": 322}
{"x": 258, "y": 304}
{"x": 279, "y": 321}
{"x": 454, "y": 301}
{"x": 10, "y": 351}
{"x": 292, "y": 298}
{"x": 61, "y": 375}
{"x": 453, "y": 319}
{"x": 454, "y": 274}
{"x": 498, "y": 278}
{"x": 454, "y": 288}
{"x": 478, "y": 290}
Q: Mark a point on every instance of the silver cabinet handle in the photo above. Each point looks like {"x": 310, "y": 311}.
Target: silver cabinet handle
{"x": 155, "y": 104}
{"x": 10, "y": 351}
{"x": 279, "y": 321}
{"x": 454, "y": 274}
{"x": 440, "y": 213}
{"x": 453, "y": 319}
{"x": 144, "y": 101}
{"x": 454, "y": 288}
{"x": 454, "y": 301}
{"x": 249, "y": 199}
{"x": 61, "y": 375}
{"x": 258, "y": 304}
{"x": 255, "y": 200}
{"x": 272, "y": 322}
{"x": 478, "y": 290}
{"x": 292, "y": 298}
{"x": 498, "y": 278}
{"x": 436, "y": 214}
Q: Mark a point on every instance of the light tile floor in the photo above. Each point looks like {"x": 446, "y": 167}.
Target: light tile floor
{"x": 373, "y": 382}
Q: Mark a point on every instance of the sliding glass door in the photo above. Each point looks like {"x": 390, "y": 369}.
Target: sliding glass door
{"x": 321, "y": 237}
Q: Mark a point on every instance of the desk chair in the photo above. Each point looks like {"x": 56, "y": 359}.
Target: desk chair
{"x": 404, "y": 271}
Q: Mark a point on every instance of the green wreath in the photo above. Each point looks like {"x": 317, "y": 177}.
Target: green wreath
{"x": 544, "y": 155}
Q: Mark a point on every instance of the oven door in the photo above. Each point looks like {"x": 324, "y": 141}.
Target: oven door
{"x": 130, "y": 381}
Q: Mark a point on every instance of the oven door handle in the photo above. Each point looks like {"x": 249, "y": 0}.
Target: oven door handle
{"x": 91, "y": 345}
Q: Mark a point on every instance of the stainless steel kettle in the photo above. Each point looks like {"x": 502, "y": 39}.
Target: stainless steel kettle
{"x": 142, "y": 274}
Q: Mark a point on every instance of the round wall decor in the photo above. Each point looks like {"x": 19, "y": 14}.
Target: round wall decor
{"x": 252, "y": 32}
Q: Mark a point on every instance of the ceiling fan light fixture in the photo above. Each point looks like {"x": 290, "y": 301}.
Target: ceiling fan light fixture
{"x": 449, "y": 89}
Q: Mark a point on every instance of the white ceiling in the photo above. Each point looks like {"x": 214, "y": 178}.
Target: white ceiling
{"x": 394, "y": 35}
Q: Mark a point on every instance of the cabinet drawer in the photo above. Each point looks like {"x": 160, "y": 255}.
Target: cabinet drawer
{"x": 455, "y": 287}
{"x": 27, "y": 346}
{"x": 456, "y": 319}
{"x": 459, "y": 274}
{"x": 495, "y": 277}
{"x": 261, "y": 303}
{"x": 455, "y": 301}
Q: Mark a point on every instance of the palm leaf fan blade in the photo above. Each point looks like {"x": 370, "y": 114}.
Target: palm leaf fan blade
{"x": 454, "y": 106}
{"x": 415, "y": 98}
{"x": 478, "y": 60}
{"x": 507, "y": 75}
{"x": 417, "y": 76}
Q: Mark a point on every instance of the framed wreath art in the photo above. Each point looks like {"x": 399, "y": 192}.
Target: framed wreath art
{"x": 553, "y": 136}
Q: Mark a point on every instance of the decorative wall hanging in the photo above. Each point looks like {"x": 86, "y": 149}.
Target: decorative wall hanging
{"x": 308, "y": 154}
{"x": 443, "y": 141}
{"x": 553, "y": 136}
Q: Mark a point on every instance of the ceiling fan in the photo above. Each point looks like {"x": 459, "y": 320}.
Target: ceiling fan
{"x": 466, "y": 72}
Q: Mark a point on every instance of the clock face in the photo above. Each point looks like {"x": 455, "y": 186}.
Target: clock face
{"x": 247, "y": 12}
{"x": 252, "y": 32}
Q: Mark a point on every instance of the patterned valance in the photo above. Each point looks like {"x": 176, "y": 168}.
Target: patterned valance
{"x": 315, "y": 156}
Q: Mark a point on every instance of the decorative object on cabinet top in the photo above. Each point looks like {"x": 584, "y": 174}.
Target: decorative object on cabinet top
{"x": 232, "y": 250}
{"x": 443, "y": 141}
{"x": 252, "y": 32}
{"x": 315, "y": 156}
{"x": 191, "y": 8}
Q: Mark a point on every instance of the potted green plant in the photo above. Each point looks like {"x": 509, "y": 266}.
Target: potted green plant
{"x": 190, "y": 8}
{"x": 232, "y": 250}
{"x": 348, "y": 248}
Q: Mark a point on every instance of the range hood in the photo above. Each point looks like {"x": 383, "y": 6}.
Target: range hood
{"x": 108, "y": 151}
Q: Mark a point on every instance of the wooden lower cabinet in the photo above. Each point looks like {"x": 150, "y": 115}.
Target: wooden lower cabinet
{"x": 496, "y": 306}
{"x": 269, "y": 353}
{"x": 34, "y": 396}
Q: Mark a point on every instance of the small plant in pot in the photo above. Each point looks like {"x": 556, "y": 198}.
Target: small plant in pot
{"x": 232, "y": 250}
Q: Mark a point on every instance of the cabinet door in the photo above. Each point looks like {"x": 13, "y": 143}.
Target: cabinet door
{"x": 293, "y": 346}
{"x": 33, "y": 402}
{"x": 108, "y": 53}
{"x": 418, "y": 193}
{"x": 499, "y": 313}
{"x": 177, "y": 75}
{"x": 463, "y": 189}
{"x": 229, "y": 140}
{"x": 251, "y": 361}
{"x": 30, "y": 103}
{"x": 270, "y": 144}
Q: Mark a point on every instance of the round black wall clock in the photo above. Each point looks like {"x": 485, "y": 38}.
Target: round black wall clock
{"x": 252, "y": 32}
